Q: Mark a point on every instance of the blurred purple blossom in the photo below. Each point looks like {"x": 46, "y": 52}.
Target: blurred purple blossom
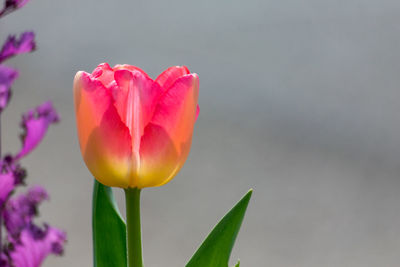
{"x": 14, "y": 46}
{"x": 7, "y": 185}
{"x": 19, "y": 211}
{"x": 11, "y": 174}
{"x": 7, "y": 77}
{"x": 35, "y": 123}
{"x": 36, "y": 244}
{"x": 11, "y": 5}
{"x": 29, "y": 244}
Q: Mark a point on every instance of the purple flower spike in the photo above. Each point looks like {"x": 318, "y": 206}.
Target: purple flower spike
{"x": 36, "y": 244}
{"x": 7, "y": 77}
{"x": 24, "y": 244}
{"x": 19, "y": 211}
{"x": 13, "y": 46}
{"x": 35, "y": 124}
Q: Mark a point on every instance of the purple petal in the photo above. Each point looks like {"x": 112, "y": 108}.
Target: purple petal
{"x": 13, "y": 46}
{"x": 7, "y": 77}
{"x": 37, "y": 194}
{"x": 10, "y": 6}
{"x": 36, "y": 244}
{"x": 11, "y": 174}
{"x": 6, "y": 186}
{"x": 20, "y": 3}
{"x": 19, "y": 211}
{"x": 4, "y": 260}
{"x": 35, "y": 124}
{"x": 29, "y": 244}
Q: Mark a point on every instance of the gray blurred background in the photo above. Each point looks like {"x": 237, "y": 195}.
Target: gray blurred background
{"x": 299, "y": 100}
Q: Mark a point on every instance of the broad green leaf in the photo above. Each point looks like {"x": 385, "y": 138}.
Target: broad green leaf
{"x": 109, "y": 229}
{"x": 216, "y": 249}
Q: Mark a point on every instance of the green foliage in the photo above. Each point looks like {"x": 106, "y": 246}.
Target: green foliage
{"x": 109, "y": 233}
{"x": 109, "y": 229}
{"x": 216, "y": 249}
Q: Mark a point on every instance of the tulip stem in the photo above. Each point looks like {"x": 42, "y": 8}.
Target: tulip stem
{"x": 134, "y": 236}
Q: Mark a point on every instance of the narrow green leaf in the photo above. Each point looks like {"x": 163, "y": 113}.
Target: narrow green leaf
{"x": 237, "y": 264}
{"x": 109, "y": 229}
{"x": 216, "y": 249}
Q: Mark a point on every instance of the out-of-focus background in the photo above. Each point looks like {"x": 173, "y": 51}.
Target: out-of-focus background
{"x": 299, "y": 100}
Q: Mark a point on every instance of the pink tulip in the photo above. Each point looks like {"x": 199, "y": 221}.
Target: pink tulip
{"x": 135, "y": 131}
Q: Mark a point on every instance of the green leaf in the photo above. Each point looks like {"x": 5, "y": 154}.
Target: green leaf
{"x": 109, "y": 229}
{"x": 237, "y": 264}
{"x": 216, "y": 249}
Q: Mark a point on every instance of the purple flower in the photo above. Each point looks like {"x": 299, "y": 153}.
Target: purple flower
{"x": 29, "y": 244}
{"x": 35, "y": 123}
{"x": 11, "y": 174}
{"x": 6, "y": 186}
{"x": 7, "y": 77}
{"x": 11, "y": 5}
{"x": 19, "y": 211}
{"x": 13, "y": 46}
{"x": 36, "y": 244}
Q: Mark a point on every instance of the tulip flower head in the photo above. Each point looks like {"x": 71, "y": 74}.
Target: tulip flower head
{"x": 134, "y": 131}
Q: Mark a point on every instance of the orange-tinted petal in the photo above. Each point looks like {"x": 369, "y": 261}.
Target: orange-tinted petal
{"x": 104, "y": 73}
{"x": 197, "y": 111}
{"x": 130, "y": 68}
{"x": 170, "y": 75}
{"x": 135, "y": 99}
{"x": 166, "y": 142}
{"x": 104, "y": 139}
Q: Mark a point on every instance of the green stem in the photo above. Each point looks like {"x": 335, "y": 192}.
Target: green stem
{"x": 134, "y": 236}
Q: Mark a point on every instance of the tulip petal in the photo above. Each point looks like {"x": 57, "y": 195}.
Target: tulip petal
{"x": 166, "y": 142}
{"x": 176, "y": 110}
{"x": 170, "y": 75}
{"x": 105, "y": 74}
{"x": 197, "y": 111}
{"x": 130, "y": 68}
{"x": 135, "y": 99}
{"x": 104, "y": 139}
